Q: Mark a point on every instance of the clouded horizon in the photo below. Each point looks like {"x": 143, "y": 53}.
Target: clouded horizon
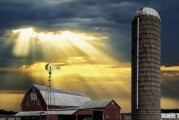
{"x": 89, "y": 39}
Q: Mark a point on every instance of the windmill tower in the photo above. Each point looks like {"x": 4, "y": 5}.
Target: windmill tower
{"x": 49, "y": 95}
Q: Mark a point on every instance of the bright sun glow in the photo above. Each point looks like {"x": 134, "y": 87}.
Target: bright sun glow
{"x": 59, "y": 40}
{"x": 21, "y": 47}
{"x": 60, "y": 44}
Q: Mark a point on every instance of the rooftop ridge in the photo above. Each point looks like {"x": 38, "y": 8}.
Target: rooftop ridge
{"x": 95, "y": 104}
{"x": 45, "y": 88}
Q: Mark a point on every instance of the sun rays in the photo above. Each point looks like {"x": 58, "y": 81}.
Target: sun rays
{"x": 55, "y": 44}
{"x": 22, "y": 45}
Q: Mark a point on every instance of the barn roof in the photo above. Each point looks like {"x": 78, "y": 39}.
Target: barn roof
{"x": 57, "y": 90}
{"x": 60, "y": 112}
{"x": 52, "y": 112}
{"x": 61, "y": 97}
{"x": 95, "y": 104}
{"x": 29, "y": 113}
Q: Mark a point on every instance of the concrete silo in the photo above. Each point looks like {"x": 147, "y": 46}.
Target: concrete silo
{"x": 146, "y": 65}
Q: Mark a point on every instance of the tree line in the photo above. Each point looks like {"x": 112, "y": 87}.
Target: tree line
{"x": 169, "y": 110}
{"x": 5, "y": 112}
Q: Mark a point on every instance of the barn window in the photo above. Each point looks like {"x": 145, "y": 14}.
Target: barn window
{"x": 33, "y": 96}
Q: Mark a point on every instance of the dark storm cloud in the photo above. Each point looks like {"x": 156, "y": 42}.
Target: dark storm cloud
{"x": 15, "y": 80}
{"x": 101, "y": 16}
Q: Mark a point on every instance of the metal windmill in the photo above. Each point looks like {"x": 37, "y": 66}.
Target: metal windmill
{"x": 50, "y": 69}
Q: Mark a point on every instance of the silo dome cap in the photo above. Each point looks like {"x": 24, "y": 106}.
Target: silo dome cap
{"x": 146, "y": 11}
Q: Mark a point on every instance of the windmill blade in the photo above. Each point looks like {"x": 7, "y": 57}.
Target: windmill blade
{"x": 54, "y": 68}
{"x": 57, "y": 68}
{"x": 46, "y": 66}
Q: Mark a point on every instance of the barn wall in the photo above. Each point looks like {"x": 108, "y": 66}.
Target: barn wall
{"x": 33, "y": 105}
{"x": 112, "y": 112}
{"x": 52, "y": 117}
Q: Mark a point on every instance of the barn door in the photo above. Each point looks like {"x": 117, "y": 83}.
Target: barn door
{"x": 97, "y": 115}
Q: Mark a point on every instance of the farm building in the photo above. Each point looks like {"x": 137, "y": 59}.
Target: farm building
{"x": 38, "y": 104}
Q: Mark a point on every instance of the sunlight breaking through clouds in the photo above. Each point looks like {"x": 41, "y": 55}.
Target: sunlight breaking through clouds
{"x": 50, "y": 42}
{"x": 22, "y": 47}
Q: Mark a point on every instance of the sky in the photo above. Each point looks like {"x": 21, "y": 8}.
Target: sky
{"x": 91, "y": 42}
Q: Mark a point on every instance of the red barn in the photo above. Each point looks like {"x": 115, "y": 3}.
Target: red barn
{"x": 40, "y": 104}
